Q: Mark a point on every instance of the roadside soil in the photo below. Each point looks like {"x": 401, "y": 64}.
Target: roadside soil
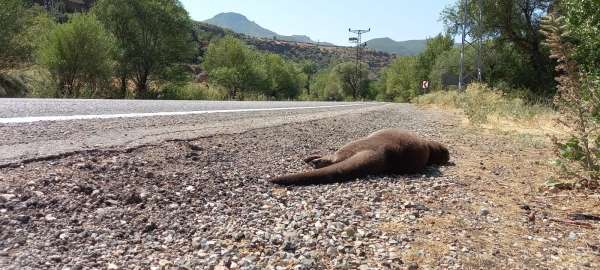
{"x": 205, "y": 203}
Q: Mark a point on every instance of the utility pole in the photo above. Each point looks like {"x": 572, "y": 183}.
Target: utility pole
{"x": 471, "y": 29}
{"x": 359, "y": 51}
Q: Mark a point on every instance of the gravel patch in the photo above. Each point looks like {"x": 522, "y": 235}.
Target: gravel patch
{"x": 207, "y": 204}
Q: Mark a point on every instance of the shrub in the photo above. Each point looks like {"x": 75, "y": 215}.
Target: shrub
{"x": 78, "y": 54}
{"x": 230, "y": 63}
{"x": 578, "y": 102}
{"x": 398, "y": 81}
{"x": 192, "y": 91}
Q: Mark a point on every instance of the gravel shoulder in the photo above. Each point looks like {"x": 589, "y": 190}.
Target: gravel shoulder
{"x": 205, "y": 203}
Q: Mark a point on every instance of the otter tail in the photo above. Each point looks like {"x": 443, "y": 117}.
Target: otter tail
{"x": 360, "y": 164}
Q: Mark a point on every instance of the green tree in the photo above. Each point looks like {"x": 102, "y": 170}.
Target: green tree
{"x": 583, "y": 22}
{"x": 326, "y": 86}
{"x": 22, "y": 30}
{"x": 284, "y": 81}
{"x": 310, "y": 68}
{"x": 353, "y": 80}
{"x": 152, "y": 36}
{"x": 230, "y": 63}
{"x": 516, "y": 22}
{"x": 435, "y": 47}
{"x": 11, "y": 24}
{"x": 399, "y": 81}
{"x": 78, "y": 53}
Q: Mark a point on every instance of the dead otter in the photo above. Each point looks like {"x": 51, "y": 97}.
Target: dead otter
{"x": 388, "y": 151}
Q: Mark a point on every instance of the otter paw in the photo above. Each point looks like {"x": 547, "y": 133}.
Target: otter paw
{"x": 320, "y": 163}
{"x": 309, "y": 159}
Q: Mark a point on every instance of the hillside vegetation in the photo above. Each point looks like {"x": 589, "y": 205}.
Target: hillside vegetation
{"x": 388, "y": 45}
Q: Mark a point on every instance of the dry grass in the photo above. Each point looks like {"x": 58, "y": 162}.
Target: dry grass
{"x": 502, "y": 172}
{"x": 489, "y": 108}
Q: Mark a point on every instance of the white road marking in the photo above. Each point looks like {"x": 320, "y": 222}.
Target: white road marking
{"x": 32, "y": 119}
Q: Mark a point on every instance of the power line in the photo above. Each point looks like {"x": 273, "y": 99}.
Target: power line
{"x": 471, "y": 37}
{"x": 358, "y": 40}
{"x": 359, "y": 50}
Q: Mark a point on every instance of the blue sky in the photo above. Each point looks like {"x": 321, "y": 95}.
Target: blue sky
{"x": 329, "y": 20}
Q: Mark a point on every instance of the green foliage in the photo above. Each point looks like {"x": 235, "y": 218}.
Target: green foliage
{"x": 244, "y": 71}
{"x": 353, "y": 81}
{"x": 310, "y": 69}
{"x": 326, "y": 87}
{"x": 230, "y": 63}
{"x": 192, "y": 91}
{"x": 507, "y": 67}
{"x": 435, "y": 47}
{"x": 11, "y": 24}
{"x": 578, "y": 102}
{"x": 399, "y": 81}
{"x": 516, "y": 22}
{"x": 21, "y": 32}
{"x": 152, "y": 35}
{"x": 12, "y": 86}
{"x": 78, "y": 54}
{"x": 341, "y": 82}
{"x": 583, "y": 22}
{"x": 284, "y": 79}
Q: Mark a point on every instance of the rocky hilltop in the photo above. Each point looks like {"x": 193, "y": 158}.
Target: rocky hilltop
{"x": 322, "y": 54}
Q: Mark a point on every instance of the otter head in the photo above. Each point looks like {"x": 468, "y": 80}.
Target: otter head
{"x": 438, "y": 154}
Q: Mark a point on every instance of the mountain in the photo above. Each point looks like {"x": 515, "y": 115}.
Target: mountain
{"x": 409, "y": 47}
{"x": 321, "y": 54}
{"x": 240, "y": 24}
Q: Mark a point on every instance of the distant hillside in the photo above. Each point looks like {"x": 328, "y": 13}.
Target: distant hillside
{"x": 242, "y": 25}
{"x": 322, "y": 54}
{"x": 409, "y": 47}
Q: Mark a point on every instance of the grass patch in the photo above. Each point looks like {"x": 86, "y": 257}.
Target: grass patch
{"x": 489, "y": 107}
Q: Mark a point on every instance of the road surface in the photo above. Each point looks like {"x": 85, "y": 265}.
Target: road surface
{"x": 191, "y": 191}
{"x": 40, "y": 128}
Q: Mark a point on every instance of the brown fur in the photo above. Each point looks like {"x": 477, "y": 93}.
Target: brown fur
{"x": 388, "y": 151}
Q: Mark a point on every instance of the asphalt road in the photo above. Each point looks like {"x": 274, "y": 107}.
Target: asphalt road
{"x": 39, "y": 128}
{"x": 13, "y": 108}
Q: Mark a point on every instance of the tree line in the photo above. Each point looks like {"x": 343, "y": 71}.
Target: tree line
{"x": 515, "y": 55}
{"x": 142, "y": 49}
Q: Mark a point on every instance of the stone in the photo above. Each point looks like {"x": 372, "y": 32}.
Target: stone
{"x": 572, "y": 236}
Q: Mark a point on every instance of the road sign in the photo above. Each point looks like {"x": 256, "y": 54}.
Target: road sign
{"x": 425, "y": 84}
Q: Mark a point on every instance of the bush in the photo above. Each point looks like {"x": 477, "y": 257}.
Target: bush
{"x": 578, "y": 102}
{"x": 398, "y": 81}
{"x": 12, "y": 86}
{"x": 230, "y": 63}
{"x": 22, "y": 31}
{"x": 192, "y": 91}
{"x": 283, "y": 79}
{"x": 78, "y": 54}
